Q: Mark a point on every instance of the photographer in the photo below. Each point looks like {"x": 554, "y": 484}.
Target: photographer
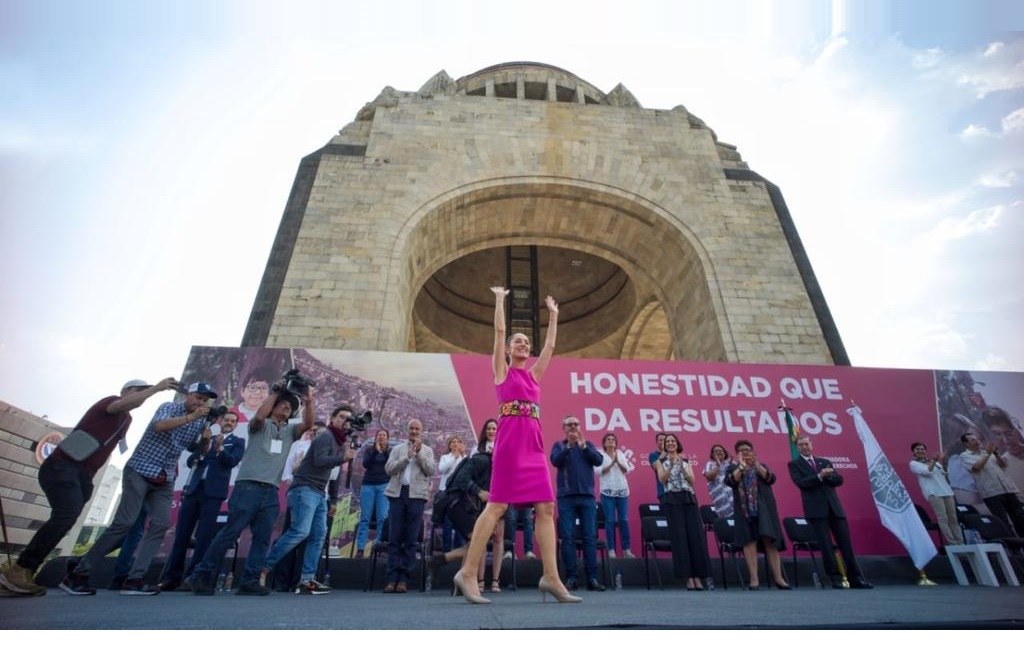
{"x": 307, "y": 500}
{"x": 253, "y": 502}
{"x": 148, "y": 478}
{"x": 67, "y": 481}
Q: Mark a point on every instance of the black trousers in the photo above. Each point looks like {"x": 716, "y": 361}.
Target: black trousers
{"x": 826, "y": 529}
{"x": 1007, "y": 508}
{"x": 686, "y": 533}
{"x": 68, "y": 486}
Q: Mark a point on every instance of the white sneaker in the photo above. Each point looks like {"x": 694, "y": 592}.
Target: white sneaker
{"x": 507, "y": 556}
{"x": 611, "y": 553}
{"x": 531, "y": 555}
{"x": 628, "y": 554}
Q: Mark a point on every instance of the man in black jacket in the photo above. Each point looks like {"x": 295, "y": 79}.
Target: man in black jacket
{"x": 817, "y": 481}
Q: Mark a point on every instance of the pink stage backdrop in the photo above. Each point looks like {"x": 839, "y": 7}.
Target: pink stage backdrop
{"x": 702, "y": 403}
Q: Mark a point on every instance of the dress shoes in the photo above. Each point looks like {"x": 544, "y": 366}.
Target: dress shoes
{"x": 860, "y": 583}
{"x": 572, "y": 584}
{"x": 595, "y": 585}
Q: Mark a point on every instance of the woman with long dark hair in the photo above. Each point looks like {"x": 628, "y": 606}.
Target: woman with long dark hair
{"x": 519, "y": 473}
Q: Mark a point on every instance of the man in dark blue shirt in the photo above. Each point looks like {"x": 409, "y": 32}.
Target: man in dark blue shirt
{"x": 575, "y": 459}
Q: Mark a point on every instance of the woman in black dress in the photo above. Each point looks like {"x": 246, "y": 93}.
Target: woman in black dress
{"x": 755, "y": 513}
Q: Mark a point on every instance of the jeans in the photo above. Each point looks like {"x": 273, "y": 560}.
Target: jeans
{"x": 371, "y": 499}
{"x": 569, "y": 509}
{"x": 68, "y": 487}
{"x": 308, "y": 509}
{"x": 512, "y": 518}
{"x": 616, "y": 509}
{"x": 136, "y": 492}
{"x": 125, "y": 558}
{"x": 252, "y": 504}
{"x": 405, "y": 525}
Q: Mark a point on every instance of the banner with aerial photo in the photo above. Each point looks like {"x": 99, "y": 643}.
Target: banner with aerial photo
{"x": 701, "y": 403}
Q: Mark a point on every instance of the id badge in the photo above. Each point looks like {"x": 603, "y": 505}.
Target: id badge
{"x": 276, "y": 446}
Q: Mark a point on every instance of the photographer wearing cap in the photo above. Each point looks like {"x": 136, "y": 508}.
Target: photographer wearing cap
{"x": 67, "y": 480}
{"x": 148, "y": 478}
{"x": 307, "y": 500}
{"x": 253, "y": 502}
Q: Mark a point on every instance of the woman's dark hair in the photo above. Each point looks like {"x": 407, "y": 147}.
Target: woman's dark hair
{"x": 605, "y": 438}
{"x": 741, "y": 443}
{"x": 679, "y": 445}
{"x": 913, "y": 446}
{"x": 481, "y": 439}
{"x": 711, "y": 455}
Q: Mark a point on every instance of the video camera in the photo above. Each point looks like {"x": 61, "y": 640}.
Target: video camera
{"x": 357, "y": 423}
{"x": 295, "y": 384}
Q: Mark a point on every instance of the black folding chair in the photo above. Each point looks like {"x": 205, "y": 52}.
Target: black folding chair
{"x": 380, "y": 547}
{"x": 992, "y": 529}
{"x": 651, "y": 510}
{"x": 654, "y": 537}
{"x": 725, "y": 538}
{"x": 801, "y": 538}
{"x": 928, "y": 522}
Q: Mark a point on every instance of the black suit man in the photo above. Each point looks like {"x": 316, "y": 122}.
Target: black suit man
{"x": 212, "y": 460}
{"x": 817, "y": 481}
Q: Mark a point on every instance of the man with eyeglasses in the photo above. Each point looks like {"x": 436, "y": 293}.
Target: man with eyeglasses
{"x": 410, "y": 466}
{"x": 575, "y": 459}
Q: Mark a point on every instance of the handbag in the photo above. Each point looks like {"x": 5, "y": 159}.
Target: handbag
{"x": 80, "y": 444}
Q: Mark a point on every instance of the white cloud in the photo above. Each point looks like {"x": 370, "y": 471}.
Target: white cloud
{"x": 994, "y": 48}
{"x": 929, "y": 58}
{"x": 999, "y": 67}
{"x": 980, "y": 220}
{"x": 998, "y": 180}
{"x": 973, "y": 130}
{"x": 1014, "y": 121}
{"x": 992, "y": 362}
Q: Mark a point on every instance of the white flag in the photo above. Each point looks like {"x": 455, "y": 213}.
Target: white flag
{"x": 891, "y": 498}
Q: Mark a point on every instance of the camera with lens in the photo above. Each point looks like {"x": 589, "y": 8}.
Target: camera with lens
{"x": 295, "y": 384}
{"x": 358, "y": 422}
{"x": 216, "y": 412}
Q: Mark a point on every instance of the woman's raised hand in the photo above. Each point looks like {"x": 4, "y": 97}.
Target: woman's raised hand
{"x": 499, "y": 291}
{"x": 550, "y": 302}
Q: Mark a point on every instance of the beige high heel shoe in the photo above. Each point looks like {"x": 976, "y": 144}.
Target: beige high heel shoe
{"x": 460, "y": 583}
{"x": 562, "y": 596}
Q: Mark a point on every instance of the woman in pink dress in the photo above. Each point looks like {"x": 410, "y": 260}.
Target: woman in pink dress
{"x": 519, "y": 466}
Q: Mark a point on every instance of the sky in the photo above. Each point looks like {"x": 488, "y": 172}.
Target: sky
{"x": 147, "y": 151}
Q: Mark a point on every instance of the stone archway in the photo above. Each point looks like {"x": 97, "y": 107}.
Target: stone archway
{"x": 665, "y": 306}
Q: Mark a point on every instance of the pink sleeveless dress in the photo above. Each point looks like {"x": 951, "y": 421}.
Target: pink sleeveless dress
{"x": 519, "y": 465}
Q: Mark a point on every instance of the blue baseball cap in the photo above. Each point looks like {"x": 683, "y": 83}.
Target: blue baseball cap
{"x": 202, "y": 388}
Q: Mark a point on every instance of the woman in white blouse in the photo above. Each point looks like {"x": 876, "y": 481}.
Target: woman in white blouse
{"x": 931, "y": 477}
{"x": 614, "y": 494}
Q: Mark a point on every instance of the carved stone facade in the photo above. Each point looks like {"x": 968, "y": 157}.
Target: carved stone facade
{"x": 656, "y": 238}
